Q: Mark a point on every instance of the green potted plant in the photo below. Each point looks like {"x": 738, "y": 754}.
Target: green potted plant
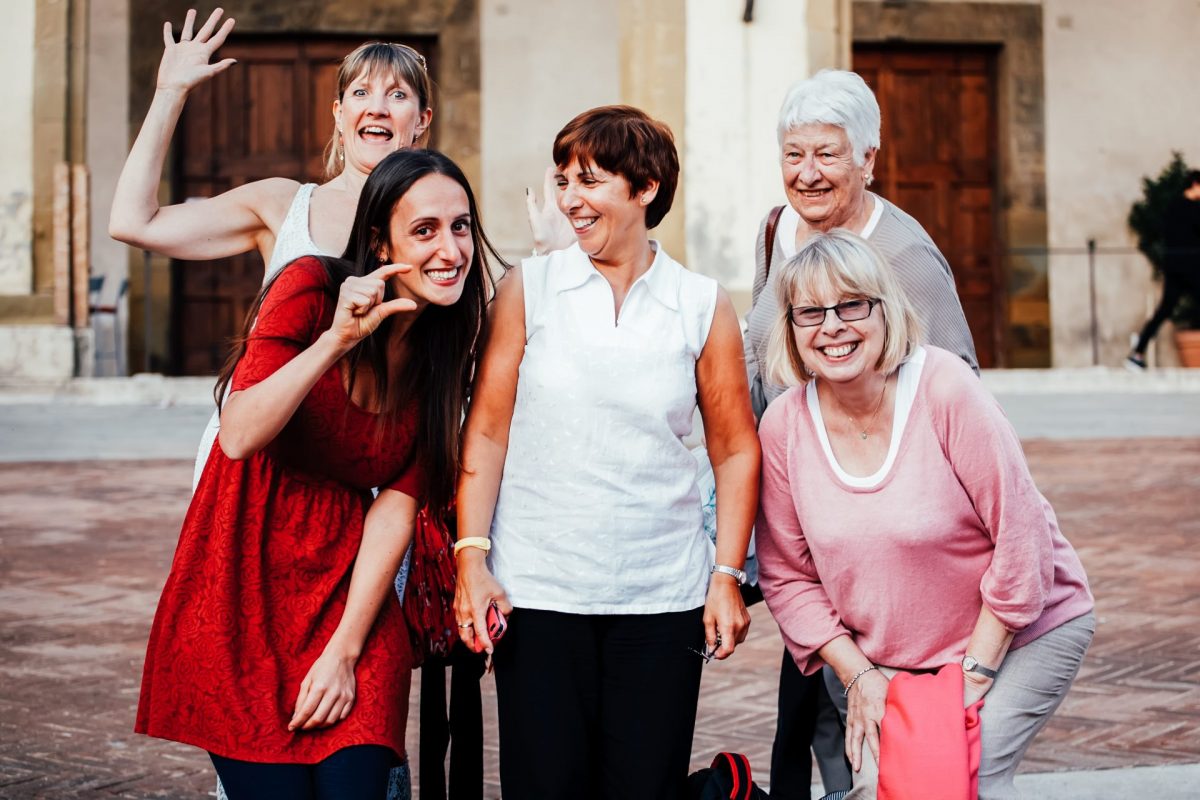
{"x": 1147, "y": 219}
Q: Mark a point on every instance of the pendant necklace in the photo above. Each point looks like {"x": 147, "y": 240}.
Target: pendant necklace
{"x": 865, "y": 432}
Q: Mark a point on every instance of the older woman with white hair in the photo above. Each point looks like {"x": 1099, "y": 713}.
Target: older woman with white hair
{"x": 899, "y": 526}
{"x": 828, "y": 137}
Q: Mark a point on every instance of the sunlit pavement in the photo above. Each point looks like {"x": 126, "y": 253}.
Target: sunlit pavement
{"x": 91, "y": 499}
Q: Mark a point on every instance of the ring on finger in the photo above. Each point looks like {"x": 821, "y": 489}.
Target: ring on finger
{"x": 466, "y": 624}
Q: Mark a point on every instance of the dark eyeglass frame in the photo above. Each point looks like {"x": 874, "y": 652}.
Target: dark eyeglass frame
{"x": 845, "y": 311}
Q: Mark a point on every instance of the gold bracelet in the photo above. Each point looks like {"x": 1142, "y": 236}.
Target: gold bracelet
{"x": 479, "y": 542}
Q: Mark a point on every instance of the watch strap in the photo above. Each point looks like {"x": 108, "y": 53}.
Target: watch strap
{"x": 737, "y": 574}
{"x": 971, "y": 664}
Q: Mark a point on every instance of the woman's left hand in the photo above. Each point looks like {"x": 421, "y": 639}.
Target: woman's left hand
{"x": 326, "y": 693}
{"x": 726, "y": 620}
{"x": 974, "y": 688}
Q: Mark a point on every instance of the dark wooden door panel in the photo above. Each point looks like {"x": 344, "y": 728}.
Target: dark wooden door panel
{"x": 938, "y": 163}
{"x": 270, "y": 115}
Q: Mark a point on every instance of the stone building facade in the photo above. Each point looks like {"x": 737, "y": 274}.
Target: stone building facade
{"x": 1070, "y": 130}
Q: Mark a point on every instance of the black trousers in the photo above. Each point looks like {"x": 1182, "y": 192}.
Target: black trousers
{"x": 808, "y": 722}
{"x": 1176, "y": 284}
{"x": 597, "y": 706}
{"x": 460, "y": 730}
{"x": 352, "y": 773}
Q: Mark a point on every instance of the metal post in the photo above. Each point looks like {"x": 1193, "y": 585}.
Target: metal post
{"x": 1091, "y": 248}
{"x": 148, "y": 317}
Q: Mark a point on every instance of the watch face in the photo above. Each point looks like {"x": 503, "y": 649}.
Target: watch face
{"x": 969, "y": 663}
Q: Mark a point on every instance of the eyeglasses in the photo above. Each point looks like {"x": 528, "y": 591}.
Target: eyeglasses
{"x": 849, "y": 311}
{"x": 707, "y": 653}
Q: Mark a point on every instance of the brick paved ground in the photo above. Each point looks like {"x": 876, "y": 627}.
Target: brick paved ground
{"x": 84, "y": 549}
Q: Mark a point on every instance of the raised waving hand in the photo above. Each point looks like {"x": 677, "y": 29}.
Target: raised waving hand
{"x": 550, "y": 227}
{"x": 185, "y": 64}
{"x": 233, "y": 222}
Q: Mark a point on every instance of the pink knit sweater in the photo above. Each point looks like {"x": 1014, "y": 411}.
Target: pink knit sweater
{"x": 904, "y": 566}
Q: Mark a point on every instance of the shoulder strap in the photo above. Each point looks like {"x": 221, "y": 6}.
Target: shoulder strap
{"x": 772, "y": 224}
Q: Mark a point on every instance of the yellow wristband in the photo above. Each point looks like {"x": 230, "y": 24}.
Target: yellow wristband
{"x": 480, "y": 542}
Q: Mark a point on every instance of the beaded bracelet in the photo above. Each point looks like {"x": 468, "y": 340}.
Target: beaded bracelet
{"x": 854, "y": 680}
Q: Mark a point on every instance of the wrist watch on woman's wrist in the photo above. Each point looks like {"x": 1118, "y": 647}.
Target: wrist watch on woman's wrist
{"x": 971, "y": 664}
{"x": 737, "y": 574}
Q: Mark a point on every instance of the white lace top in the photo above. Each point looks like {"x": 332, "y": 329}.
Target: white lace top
{"x": 292, "y": 241}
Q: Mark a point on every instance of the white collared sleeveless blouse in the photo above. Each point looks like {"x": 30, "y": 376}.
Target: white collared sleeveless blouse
{"x": 598, "y": 510}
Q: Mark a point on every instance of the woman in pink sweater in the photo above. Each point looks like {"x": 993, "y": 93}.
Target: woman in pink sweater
{"x": 900, "y": 528}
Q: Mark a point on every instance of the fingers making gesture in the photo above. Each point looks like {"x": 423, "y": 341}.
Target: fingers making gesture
{"x": 361, "y": 307}
{"x": 185, "y": 64}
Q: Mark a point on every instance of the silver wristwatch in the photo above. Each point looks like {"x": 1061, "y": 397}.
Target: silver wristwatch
{"x": 737, "y": 574}
{"x": 971, "y": 664}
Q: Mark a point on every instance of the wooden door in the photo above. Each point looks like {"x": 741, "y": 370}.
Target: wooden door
{"x": 267, "y": 116}
{"x": 938, "y": 162}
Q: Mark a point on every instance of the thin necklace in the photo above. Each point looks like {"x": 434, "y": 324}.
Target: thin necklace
{"x": 865, "y": 432}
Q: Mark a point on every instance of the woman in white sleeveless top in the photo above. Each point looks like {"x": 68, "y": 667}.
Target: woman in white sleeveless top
{"x": 382, "y": 105}
{"x": 598, "y": 357}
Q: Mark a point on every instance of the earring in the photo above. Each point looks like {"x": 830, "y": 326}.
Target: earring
{"x": 869, "y": 179}
{"x": 645, "y": 200}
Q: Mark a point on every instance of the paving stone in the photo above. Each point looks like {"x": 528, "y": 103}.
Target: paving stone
{"x": 85, "y": 548}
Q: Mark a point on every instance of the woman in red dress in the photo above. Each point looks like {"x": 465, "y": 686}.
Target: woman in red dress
{"x": 278, "y": 645}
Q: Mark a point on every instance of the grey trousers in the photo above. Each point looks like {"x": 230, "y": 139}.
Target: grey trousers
{"x": 1032, "y": 682}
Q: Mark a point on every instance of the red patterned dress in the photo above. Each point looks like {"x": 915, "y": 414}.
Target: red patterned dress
{"x": 263, "y": 565}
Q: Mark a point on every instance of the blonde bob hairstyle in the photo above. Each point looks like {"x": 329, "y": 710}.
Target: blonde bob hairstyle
{"x": 840, "y": 265}
{"x": 398, "y": 61}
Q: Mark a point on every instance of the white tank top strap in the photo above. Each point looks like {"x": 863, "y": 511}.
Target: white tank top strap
{"x": 293, "y": 239}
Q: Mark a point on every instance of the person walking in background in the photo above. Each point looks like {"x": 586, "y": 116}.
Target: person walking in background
{"x": 278, "y": 646}
{"x": 577, "y": 480}
{"x": 1181, "y": 266}
{"x": 828, "y": 134}
{"x": 899, "y": 527}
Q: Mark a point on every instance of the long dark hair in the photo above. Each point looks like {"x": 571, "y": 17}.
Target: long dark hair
{"x": 442, "y": 340}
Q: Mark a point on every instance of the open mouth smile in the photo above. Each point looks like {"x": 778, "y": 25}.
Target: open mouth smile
{"x": 444, "y": 275}
{"x": 837, "y": 351}
{"x": 375, "y": 133}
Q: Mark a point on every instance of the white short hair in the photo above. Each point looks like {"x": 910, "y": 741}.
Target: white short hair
{"x": 834, "y": 97}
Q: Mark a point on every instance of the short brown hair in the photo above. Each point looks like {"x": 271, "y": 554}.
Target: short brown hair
{"x": 625, "y": 141}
